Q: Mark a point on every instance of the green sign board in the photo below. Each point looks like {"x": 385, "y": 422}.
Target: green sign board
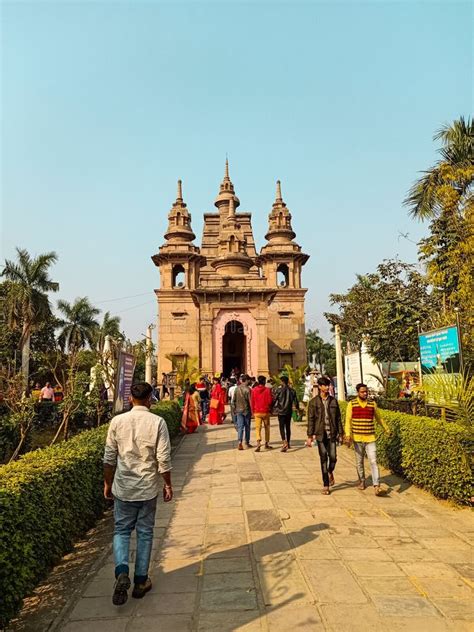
{"x": 439, "y": 350}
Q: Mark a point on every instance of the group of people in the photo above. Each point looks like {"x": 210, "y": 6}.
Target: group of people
{"x": 47, "y": 393}
{"x": 325, "y": 430}
{"x": 137, "y": 454}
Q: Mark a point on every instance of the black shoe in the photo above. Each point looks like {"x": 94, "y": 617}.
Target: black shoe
{"x": 122, "y": 584}
{"x": 140, "y": 590}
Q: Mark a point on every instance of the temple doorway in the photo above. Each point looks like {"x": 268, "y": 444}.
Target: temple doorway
{"x": 233, "y": 348}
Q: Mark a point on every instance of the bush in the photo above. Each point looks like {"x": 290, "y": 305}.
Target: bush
{"x": 434, "y": 454}
{"x": 47, "y": 499}
{"x": 9, "y": 437}
{"x": 171, "y": 412}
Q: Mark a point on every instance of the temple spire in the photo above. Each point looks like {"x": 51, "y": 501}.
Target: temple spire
{"x": 179, "y": 220}
{"x": 278, "y": 197}
{"x": 226, "y": 191}
{"x": 179, "y": 195}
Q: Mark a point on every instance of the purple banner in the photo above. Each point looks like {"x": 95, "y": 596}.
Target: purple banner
{"x": 125, "y": 369}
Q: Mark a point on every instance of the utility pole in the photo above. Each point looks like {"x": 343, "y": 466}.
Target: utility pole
{"x": 148, "y": 355}
{"x": 341, "y": 389}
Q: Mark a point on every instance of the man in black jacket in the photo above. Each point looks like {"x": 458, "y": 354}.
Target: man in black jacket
{"x": 324, "y": 424}
{"x": 285, "y": 402}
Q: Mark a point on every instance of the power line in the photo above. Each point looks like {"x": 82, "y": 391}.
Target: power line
{"x": 120, "y": 298}
{"x": 134, "y": 307}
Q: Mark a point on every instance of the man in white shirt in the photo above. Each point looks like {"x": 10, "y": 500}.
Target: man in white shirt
{"x": 47, "y": 393}
{"x": 137, "y": 451}
{"x": 230, "y": 395}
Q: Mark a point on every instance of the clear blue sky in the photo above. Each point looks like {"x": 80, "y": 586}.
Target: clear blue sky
{"x": 106, "y": 104}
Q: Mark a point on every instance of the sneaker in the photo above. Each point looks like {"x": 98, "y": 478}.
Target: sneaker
{"x": 122, "y": 584}
{"x": 140, "y": 590}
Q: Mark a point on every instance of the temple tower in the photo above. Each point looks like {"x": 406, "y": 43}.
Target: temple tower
{"x": 223, "y": 304}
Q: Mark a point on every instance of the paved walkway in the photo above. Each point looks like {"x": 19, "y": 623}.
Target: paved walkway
{"x": 250, "y": 544}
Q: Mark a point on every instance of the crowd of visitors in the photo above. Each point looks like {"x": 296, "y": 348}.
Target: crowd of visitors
{"x": 138, "y": 449}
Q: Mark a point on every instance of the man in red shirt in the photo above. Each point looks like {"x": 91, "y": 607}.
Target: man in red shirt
{"x": 261, "y": 403}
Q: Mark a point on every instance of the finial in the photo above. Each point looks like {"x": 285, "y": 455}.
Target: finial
{"x": 278, "y": 191}
{"x": 226, "y": 174}
{"x": 179, "y": 195}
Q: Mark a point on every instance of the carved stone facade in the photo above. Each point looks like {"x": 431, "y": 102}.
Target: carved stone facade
{"x": 223, "y": 304}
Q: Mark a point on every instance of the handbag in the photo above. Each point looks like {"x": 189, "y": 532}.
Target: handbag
{"x": 214, "y": 403}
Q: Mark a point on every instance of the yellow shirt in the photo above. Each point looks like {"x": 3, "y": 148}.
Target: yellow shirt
{"x": 366, "y": 438}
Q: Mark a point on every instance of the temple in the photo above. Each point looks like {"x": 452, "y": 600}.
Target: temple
{"x": 223, "y": 305}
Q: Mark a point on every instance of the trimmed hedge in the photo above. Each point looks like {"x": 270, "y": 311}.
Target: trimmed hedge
{"x": 171, "y": 412}
{"x": 433, "y": 454}
{"x": 48, "y": 499}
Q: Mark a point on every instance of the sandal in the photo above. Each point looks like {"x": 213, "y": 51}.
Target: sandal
{"x": 325, "y": 491}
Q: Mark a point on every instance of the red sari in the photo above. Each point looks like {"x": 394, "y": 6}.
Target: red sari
{"x": 190, "y": 418}
{"x": 216, "y": 415}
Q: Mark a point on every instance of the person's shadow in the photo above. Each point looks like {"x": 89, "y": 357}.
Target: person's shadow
{"x": 242, "y": 583}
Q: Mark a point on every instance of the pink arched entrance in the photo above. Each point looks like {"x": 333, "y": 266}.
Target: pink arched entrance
{"x": 230, "y": 330}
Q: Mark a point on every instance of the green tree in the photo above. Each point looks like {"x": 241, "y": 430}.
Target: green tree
{"x": 444, "y": 194}
{"x": 110, "y": 327}
{"x": 448, "y": 184}
{"x": 27, "y": 303}
{"x": 381, "y": 310}
{"x": 79, "y": 326}
{"x": 323, "y": 352}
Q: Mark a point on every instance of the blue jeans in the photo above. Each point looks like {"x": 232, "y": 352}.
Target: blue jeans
{"x": 130, "y": 515}
{"x": 204, "y": 409}
{"x": 243, "y": 426}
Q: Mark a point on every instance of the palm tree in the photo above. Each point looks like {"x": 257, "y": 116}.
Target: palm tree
{"x": 449, "y": 182}
{"x": 110, "y": 327}
{"x": 316, "y": 347}
{"x": 79, "y": 327}
{"x": 27, "y": 304}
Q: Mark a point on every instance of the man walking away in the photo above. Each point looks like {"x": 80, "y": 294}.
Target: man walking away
{"x": 285, "y": 402}
{"x": 243, "y": 411}
{"x": 324, "y": 425}
{"x": 262, "y": 402}
{"x": 137, "y": 450}
{"x": 361, "y": 416}
{"x": 230, "y": 394}
{"x": 203, "y": 390}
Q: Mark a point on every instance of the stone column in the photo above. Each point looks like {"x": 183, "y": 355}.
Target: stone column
{"x": 206, "y": 346}
{"x": 262, "y": 344}
{"x": 341, "y": 390}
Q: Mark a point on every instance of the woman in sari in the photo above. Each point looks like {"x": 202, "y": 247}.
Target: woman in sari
{"x": 217, "y": 406}
{"x": 190, "y": 418}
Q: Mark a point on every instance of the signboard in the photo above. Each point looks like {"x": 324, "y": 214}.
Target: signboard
{"x": 125, "y": 370}
{"x": 370, "y": 371}
{"x": 439, "y": 350}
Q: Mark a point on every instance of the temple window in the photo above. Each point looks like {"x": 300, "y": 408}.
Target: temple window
{"x": 283, "y": 275}
{"x": 178, "y": 276}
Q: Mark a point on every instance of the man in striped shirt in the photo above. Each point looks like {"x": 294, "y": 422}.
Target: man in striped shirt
{"x": 361, "y": 416}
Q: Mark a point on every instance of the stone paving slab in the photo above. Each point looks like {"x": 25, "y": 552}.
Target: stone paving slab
{"x": 250, "y": 544}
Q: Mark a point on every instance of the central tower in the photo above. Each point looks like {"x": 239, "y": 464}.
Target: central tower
{"x": 223, "y": 305}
